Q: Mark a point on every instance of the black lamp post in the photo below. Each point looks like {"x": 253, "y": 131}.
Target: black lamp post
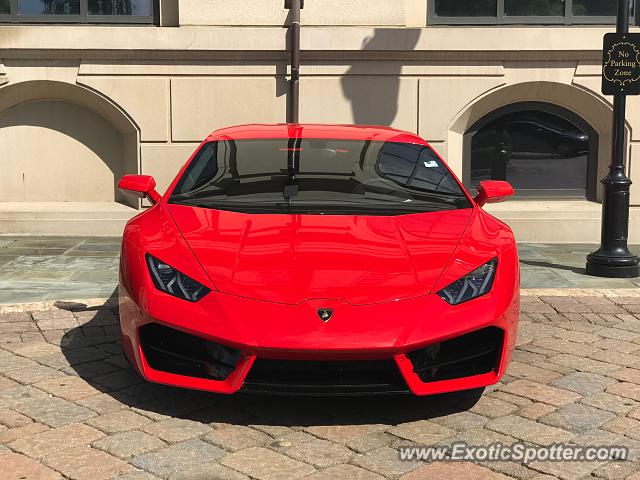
{"x": 294, "y": 107}
{"x": 613, "y": 258}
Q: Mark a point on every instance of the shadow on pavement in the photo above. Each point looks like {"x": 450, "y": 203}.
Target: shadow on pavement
{"x": 556, "y": 266}
{"x": 93, "y": 351}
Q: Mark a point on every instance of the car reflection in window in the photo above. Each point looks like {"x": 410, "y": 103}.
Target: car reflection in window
{"x": 539, "y": 153}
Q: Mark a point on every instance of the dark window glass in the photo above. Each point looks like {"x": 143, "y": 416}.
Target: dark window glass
{"x": 202, "y": 169}
{"x": 595, "y": 8}
{"x": 535, "y": 151}
{"x": 49, "y": 7}
{"x": 466, "y": 8}
{"x": 525, "y": 11}
{"x": 81, "y": 11}
{"x": 416, "y": 167}
{"x": 534, "y": 8}
{"x": 318, "y": 176}
{"x": 120, "y": 7}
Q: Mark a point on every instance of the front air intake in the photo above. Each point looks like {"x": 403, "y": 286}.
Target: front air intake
{"x": 324, "y": 377}
{"x": 465, "y": 356}
{"x": 173, "y": 351}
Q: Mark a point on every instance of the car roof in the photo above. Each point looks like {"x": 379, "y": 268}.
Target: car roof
{"x": 311, "y": 130}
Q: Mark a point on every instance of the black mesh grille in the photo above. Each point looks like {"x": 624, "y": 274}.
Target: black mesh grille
{"x": 324, "y": 377}
{"x": 472, "y": 354}
{"x": 173, "y": 351}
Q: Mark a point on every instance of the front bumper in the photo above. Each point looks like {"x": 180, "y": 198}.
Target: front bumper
{"x": 377, "y": 348}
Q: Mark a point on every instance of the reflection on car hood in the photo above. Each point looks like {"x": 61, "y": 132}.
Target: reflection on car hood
{"x": 291, "y": 258}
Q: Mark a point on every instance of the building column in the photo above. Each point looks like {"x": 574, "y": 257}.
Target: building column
{"x": 416, "y": 11}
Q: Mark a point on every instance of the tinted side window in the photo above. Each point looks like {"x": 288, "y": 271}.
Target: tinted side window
{"x": 416, "y": 167}
{"x": 202, "y": 170}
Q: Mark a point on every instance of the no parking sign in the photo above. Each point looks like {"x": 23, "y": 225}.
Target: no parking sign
{"x": 621, "y": 64}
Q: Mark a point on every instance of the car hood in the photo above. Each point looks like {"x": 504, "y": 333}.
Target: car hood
{"x": 293, "y": 258}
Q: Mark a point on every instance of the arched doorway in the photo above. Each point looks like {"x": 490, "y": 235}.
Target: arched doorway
{"x": 544, "y": 150}
{"x": 66, "y": 144}
{"x": 58, "y": 151}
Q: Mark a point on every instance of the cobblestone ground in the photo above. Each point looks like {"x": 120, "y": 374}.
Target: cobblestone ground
{"x": 70, "y": 407}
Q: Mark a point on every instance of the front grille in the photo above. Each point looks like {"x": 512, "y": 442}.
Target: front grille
{"x": 472, "y": 354}
{"x": 172, "y": 351}
{"x": 312, "y": 377}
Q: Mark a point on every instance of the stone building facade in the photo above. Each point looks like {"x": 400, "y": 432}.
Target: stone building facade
{"x": 83, "y": 101}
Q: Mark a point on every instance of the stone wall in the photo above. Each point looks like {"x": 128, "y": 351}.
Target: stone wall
{"x": 173, "y": 86}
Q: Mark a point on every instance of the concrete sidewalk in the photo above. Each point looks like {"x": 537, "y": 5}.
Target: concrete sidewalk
{"x": 36, "y": 269}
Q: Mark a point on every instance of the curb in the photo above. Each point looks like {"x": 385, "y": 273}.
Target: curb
{"x": 80, "y": 304}
{"x": 580, "y": 292}
{"x": 76, "y": 304}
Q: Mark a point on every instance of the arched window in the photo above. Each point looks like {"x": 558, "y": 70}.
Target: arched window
{"x": 541, "y": 149}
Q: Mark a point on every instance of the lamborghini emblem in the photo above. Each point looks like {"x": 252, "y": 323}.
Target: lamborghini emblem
{"x": 325, "y": 314}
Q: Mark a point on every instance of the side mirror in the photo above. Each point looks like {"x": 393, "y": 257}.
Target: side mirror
{"x": 141, "y": 186}
{"x": 493, "y": 191}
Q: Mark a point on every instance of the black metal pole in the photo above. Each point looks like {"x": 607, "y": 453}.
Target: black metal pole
{"x": 294, "y": 106}
{"x": 613, "y": 258}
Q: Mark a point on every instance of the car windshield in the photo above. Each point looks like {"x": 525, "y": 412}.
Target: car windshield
{"x": 318, "y": 176}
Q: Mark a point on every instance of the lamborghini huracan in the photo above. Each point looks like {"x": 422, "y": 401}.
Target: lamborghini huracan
{"x": 318, "y": 259}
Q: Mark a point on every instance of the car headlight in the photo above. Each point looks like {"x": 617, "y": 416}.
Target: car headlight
{"x": 472, "y": 285}
{"x": 171, "y": 281}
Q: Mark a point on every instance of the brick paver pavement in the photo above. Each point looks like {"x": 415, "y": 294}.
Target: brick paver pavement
{"x": 71, "y": 407}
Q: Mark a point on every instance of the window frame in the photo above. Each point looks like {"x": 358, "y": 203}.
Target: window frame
{"x": 84, "y": 17}
{"x": 501, "y": 19}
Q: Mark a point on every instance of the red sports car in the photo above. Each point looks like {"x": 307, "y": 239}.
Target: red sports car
{"x": 318, "y": 259}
